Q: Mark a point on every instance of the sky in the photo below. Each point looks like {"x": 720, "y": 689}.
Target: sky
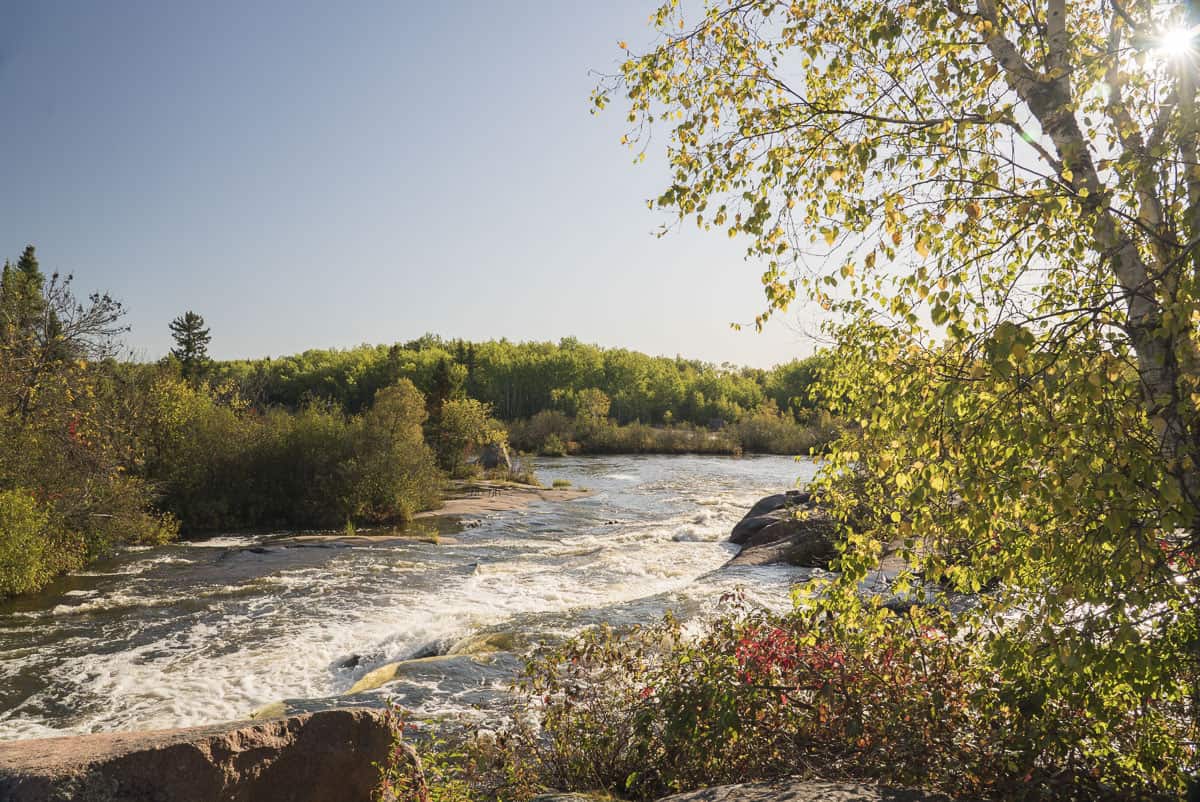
{"x": 313, "y": 175}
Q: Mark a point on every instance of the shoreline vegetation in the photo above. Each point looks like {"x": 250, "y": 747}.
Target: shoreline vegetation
{"x": 102, "y": 452}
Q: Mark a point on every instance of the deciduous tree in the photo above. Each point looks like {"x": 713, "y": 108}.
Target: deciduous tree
{"x": 998, "y": 205}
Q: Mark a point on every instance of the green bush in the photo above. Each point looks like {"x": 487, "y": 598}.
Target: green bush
{"x": 553, "y": 447}
{"x": 24, "y": 564}
{"x": 768, "y": 431}
{"x": 221, "y": 464}
{"x": 546, "y": 433}
{"x": 393, "y": 472}
{"x": 463, "y": 425}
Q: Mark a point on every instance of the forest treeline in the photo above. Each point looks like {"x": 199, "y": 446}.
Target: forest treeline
{"x": 519, "y": 380}
{"x": 565, "y": 397}
{"x": 100, "y": 451}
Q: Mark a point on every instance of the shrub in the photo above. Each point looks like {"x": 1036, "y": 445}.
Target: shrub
{"x": 546, "y": 433}
{"x": 24, "y": 564}
{"x": 553, "y": 447}
{"x": 898, "y": 698}
{"x": 223, "y": 465}
{"x": 521, "y": 470}
{"x": 430, "y": 768}
{"x": 768, "y": 431}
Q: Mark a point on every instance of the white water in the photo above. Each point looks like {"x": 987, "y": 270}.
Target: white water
{"x": 209, "y": 631}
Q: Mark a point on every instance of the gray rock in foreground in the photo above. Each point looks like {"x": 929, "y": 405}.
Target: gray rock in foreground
{"x": 323, "y": 756}
{"x": 789, "y": 790}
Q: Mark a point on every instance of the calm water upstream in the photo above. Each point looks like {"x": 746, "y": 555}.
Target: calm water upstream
{"x": 211, "y": 630}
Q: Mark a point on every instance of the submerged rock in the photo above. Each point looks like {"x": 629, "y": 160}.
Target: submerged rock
{"x": 273, "y": 710}
{"x": 391, "y": 672}
{"x": 487, "y": 642}
{"x": 325, "y": 756}
{"x": 351, "y": 661}
{"x": 795, "y": 790}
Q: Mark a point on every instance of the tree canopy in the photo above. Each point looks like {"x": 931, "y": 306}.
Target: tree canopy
{"x": 997, "y": 204}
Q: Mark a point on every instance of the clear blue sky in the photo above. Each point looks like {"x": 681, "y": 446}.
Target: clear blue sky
{"x": 326, "y": 174}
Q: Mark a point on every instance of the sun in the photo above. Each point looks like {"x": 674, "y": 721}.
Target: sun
{"x": 1178, "y": 41}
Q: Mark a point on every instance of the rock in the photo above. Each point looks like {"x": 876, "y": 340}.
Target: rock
{"x": 805, "y": 541}
{"x": 495, "y": 455}
{"x": 485, "y": 643}
{"x": 272, "y": 710}
{"x": 391, "y": 672}
{"x": 769, "y": 504}
{"x": 770, "y": 510}
{"x": 793, "y": 790}
{"x": 323, "y": 756}
{"x": 349, "y": 662}
{"x": 816, "y": 525}
{"x": 785, "y": 528}
{"x": 749, "y": 525}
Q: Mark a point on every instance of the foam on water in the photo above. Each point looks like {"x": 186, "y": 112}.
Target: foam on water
{"x": 209, "y": 631}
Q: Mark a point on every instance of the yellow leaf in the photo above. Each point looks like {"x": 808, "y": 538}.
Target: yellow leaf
{"x": 922, "y": 247}
{"x": 830, "y": 236}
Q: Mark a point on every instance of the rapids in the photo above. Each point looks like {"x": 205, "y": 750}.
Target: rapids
{"x": 210, "y": 630}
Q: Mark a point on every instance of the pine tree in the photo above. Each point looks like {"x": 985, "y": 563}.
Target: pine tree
{"x": 21, "y": 288}
{"x": 191, "y": 341}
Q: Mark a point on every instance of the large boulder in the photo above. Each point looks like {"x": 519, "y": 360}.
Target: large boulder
{"x": 806, "y": 542}
{"x": 748, "y": 526}
{"x": 324, "y": 756}
{"x": 794, "y": 790}
{"x": 768, "y": 511}
{"x": 779, "y": 501}
{"x": 790, "y": 528}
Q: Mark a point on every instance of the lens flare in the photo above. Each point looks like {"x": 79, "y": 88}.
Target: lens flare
{"x": 1178, "y": 41}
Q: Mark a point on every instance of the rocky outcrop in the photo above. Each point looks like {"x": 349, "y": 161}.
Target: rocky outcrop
{"x": 785, "y": 528}
{"x": 792, "y": 790}
{"x": 324, "y": 756}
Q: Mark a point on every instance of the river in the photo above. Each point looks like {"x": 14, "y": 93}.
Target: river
{"x": 211, "y": 630}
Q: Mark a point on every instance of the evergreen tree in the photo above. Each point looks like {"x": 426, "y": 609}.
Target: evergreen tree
{"x": 191, "y": 344}
{"x": 21, "y": 288}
